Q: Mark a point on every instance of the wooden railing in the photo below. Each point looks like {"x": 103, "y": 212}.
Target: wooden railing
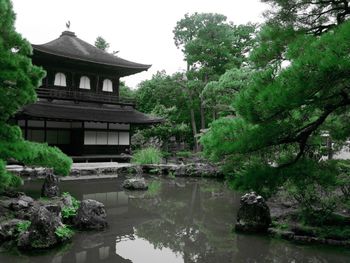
{"x": 54, "y": 93}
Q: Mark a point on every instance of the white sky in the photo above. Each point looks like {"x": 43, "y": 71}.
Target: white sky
{"x": 140, "y": 29}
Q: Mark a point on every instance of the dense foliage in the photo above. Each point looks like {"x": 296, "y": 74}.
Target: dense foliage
{"x": 18, "y": 80}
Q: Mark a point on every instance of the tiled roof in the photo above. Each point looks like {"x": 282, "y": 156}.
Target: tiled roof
{"x": 87, "y": 112}
{"x": 70, "y": 46}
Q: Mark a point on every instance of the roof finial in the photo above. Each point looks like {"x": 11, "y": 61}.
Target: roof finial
{"x": 68, "y": 25}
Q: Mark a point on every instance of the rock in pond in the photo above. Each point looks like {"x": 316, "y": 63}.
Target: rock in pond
{"x": 91, "y": 215}
{"x": 51, "y": 186}
{"x": 42, "y": 232}
{"x": 253, "y": 215}
{"x": 135, "y": 184}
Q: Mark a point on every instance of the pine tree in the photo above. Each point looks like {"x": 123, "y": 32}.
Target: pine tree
{"x": 18, "y": 80}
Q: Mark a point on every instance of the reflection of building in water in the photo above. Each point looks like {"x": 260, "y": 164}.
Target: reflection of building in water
{"x": 103, "y": 252}
{"x": 80, "y": 257}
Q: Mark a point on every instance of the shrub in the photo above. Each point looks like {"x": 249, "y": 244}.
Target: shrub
{"x": 148, "y": 155}
{"x": 39, "y": 154}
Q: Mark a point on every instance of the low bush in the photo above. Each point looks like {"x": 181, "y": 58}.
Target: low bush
{"x": 148, "y": 155}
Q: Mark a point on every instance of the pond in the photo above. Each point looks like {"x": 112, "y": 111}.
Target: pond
{"x": 176, "y": 220}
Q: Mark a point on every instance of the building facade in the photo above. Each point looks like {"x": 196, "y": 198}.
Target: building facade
{"x": 79, "y": 108}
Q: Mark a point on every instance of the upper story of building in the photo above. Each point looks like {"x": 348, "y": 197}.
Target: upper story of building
{"x": 79, "y": 71}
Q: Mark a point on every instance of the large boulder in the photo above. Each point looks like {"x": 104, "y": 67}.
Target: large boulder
{"x": 50, "y": 187}
{"x": 253, "y": 215}
{"x": 42, "y": 232}
{"x": 91, "y": 215}
{"x": 137, "y": 183}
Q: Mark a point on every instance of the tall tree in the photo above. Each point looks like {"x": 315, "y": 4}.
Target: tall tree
{"x": 211, "y": 45}
{"x": 101, "y": 43}
{"x": 18, "y": 80}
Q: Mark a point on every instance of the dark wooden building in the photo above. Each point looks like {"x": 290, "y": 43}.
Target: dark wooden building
{"x": 79, "y": 108}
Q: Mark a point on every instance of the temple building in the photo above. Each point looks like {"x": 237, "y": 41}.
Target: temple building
{"x": 79, "y": 108}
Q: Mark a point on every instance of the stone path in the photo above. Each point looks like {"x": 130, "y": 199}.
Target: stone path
{"x": 79, "y": 171}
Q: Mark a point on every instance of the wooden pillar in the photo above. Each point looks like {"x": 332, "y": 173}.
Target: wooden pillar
{"x": 45, "y": 131}
{"x": 72, "y": 84}
{"x": 26, "y": 129}
{"x": 117, "y": 83}
{"x": 97, "y": 77}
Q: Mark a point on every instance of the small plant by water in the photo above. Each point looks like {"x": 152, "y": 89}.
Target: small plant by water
{"x": 148, "y": 155}
{"x": 23, "y": 226}
{"x": 70, "y": 211}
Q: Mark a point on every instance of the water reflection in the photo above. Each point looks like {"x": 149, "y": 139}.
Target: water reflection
{"x": 176, "y": 221}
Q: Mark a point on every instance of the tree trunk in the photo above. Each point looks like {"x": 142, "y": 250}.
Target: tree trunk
{"x": 194, "y": 129}
{"x": 202, "y": 115}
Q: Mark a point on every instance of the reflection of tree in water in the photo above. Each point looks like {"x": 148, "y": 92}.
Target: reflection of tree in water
{"x": 196, "y": 221}
{"x": 188, "y": 222}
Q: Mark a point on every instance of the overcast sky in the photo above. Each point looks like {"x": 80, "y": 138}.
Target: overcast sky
{"x": 141, "y": 30}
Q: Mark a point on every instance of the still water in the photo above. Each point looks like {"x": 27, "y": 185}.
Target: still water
{"x": 182, "y": 220}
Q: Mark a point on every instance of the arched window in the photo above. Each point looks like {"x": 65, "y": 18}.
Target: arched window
{"x": 84, "y": 83}
{"x": 107, "y": 85}
{"x": 60, "y": 80}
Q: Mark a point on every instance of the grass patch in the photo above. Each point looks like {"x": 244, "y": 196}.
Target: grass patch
{"x": 147, "y": 156}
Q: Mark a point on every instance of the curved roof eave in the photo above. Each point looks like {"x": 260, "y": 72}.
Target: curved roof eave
{"x": 141, "y": 67}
